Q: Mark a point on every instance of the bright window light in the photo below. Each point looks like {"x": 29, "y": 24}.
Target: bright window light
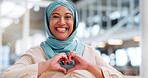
{"x": 106, "y": 58}
{"x": 95, "y": 30}
{"x": 98, "y": 51}
{"x": 7, "y": 8}
{"x": 5, "y": 22}
{"x": 112, "y": 59}
{"x": 97, "y": 19}
{"x": 17, "y": 12}
{"x": 18, "y": 49}
{"x": 32, "y": 41}
{"x": 36, "y": 8}
{"x": 115, "y": 15}
{"x": 81, "y": 29}
{"x": 5, "y": 55}
{"x": 121, "y": 57}
{"x": 87, "y": 32}
{"x": 37, "y": 39}
{"x": 124, "y": 12}
{"x": 10, "y": 10}
{"x": 134, "y": 55}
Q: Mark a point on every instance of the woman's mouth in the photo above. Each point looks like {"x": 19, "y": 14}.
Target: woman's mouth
{"x": 61, "y": 29}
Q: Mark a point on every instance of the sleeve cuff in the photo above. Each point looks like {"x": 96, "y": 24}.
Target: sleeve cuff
{"x": 33, "y": 70}
{"x": 105, "y": 72}
{"x": 110, "y": 74}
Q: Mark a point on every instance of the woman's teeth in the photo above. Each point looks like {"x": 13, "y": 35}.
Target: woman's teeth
{"x": 61, "y": 29}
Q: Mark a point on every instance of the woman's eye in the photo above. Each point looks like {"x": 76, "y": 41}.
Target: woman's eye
{"x": 55, "y": 17}
{"x": 68, "y": 17}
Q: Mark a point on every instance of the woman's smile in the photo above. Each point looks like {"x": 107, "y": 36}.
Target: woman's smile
{"x": 61, "y": 29}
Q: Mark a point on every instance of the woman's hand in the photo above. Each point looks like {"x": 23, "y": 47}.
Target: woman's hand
{"x": 53, "y": 63}
{"x": 80, "y": 63}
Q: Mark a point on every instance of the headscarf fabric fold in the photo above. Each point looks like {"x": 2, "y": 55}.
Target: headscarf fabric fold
{"x": 53, "y": 46}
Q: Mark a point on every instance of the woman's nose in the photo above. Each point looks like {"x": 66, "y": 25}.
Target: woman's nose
{"x": 61, "y": 22}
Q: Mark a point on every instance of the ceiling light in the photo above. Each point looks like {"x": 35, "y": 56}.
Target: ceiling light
{"x": 115, "y": 42}
{"x": 101, "y": 45}
{"x": 136, "y": 39}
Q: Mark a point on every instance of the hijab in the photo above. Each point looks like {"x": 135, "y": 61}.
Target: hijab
{"x": 53, "y": 46}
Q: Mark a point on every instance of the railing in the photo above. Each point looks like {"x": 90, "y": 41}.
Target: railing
{"x": 104, "y": 8}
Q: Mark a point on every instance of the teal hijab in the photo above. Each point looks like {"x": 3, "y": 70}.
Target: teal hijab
{"x": 53, "y": 46}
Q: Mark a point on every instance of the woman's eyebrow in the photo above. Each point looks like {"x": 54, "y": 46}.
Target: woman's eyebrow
{"x": 59, "y": 14}
{"x": 69, "y": 13}
{"x": 55, "y": 13}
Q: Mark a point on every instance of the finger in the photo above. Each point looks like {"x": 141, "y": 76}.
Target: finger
{"x": 70, "y": 70}
{"x": 69, "y": 57}
{"x": 65, "y": 62}
{"x": 75, "y": 56}
{"x": 62, "y": 69}
{"x": 63, "y": 57}
{"x": 72, "y": 55}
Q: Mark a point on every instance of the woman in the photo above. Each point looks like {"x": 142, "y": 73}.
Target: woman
{"x": 60, "y": 56}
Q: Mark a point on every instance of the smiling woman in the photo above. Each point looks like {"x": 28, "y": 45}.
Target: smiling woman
{"x": 61, "y": 56}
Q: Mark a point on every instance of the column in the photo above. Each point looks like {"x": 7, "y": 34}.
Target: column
{"x": 91, "y": 13}
{"x": 119, "y": 5}
{"x": 0, "y": 36}
{"x": 131, "y": 10}
{"x": 84, "y": 13}
{"x": 108, "y": 11}
{"x": 99, "y": 11}
{"x": 0, "y": 48}
{"x": 144, "y": 38}
{"x": 26, "y": 27}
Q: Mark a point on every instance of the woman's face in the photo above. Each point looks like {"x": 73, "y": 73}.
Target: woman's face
{"x": 61, "y": 23}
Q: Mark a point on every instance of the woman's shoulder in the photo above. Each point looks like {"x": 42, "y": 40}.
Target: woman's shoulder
{"x": 88, "y": 50}
{"x": 37, "y": 47}
{"x": 32, "y": 55}
{"x": 88, "y": 47}
{"x": 35, "y": 50}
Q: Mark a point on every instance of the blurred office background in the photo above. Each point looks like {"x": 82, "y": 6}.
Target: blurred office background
{"x": 111, "y": 26}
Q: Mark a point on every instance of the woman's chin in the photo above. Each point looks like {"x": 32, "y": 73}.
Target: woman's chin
{"x": 61, "y": 38}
